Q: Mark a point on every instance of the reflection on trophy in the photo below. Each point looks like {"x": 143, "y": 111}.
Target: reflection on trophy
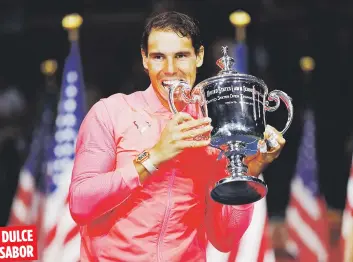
{"x": 237, "y": 104}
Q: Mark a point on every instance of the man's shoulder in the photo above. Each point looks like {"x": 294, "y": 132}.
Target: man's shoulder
{"x": 120, "y": 100}
{"x": 117, "y": 106}
{"x": 114, "y": 109}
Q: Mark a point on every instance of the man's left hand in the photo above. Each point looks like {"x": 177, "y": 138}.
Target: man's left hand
{"x": 268, "y": 150}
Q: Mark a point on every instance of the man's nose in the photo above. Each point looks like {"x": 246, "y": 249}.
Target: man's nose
{"x": 170, "y": 67}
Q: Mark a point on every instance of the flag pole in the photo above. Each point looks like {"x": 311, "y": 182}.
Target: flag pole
{"x": 71, "y": 23}
{"x": 48, "y": 69}
{"x": 307, "y": 65}
{"x": 240, "y": 20}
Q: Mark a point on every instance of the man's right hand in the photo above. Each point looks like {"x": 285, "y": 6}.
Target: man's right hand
{"x": 179, "y": 134}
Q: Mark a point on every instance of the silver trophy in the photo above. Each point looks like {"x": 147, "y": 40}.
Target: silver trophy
{"x": 237, "y": 104}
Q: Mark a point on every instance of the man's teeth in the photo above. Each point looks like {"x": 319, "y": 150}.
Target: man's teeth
{"x": 169, "y": 82}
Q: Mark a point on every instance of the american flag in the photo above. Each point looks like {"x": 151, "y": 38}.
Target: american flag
{"x": 255, "y": 245}
{"x": 306, "y": 213}
{"x": 347, "y": 223}
{"x": 25, "y": 209}
{"x": 62, "y": 240}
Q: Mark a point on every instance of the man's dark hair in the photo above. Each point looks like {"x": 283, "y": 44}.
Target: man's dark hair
{"x": 179, "y": 23}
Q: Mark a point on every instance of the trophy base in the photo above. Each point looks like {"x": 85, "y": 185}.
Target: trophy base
{"x": 239, "y": 190}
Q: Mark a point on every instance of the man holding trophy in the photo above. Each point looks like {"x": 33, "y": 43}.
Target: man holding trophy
{"x": 152, "y": 179}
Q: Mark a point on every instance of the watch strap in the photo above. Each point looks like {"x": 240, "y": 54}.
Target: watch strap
{"x": 144, "y": 159}
{"x": 147, "y": 163}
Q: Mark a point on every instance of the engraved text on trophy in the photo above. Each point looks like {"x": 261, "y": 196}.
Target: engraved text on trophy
{"x": 242, "y": 95}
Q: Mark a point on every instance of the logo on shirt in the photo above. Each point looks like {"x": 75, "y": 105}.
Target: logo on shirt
{"x": 142, "y": 129}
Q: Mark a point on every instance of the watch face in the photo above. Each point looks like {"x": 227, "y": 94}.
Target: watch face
{"x": 143, "y": 156}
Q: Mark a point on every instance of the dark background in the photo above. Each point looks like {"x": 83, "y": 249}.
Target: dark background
{"x": 31, "y": 31}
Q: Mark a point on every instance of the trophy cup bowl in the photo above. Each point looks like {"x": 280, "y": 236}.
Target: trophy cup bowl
{"x": 237, "y": 104}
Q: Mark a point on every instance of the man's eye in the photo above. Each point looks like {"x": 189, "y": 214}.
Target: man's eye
{"x": 181, "y": 56}
{"x": 158, "y": 57}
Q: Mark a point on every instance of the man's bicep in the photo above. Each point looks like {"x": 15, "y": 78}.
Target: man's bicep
{"x": 95, "y": 147}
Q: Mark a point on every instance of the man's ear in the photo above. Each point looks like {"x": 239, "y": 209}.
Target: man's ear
{"x": 199, "y": 56}
{"x": 144, "y": 59}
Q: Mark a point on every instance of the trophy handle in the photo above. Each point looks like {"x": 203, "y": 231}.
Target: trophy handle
{"x": 185, "y": 95}
{"x": 276, "y": 96}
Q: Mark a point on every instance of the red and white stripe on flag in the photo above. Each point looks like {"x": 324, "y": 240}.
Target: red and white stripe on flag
{"x": 254, "y": 246}
{"x": 347, "y": 223}
{"x": 307, "y": 224}
{"x": 22, "y": 209}
{"x": 62, "y": 238}
{"x": 27, "y": 202}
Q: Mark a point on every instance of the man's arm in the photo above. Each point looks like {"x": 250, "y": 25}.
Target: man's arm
{"x": 99, "y": 183}
{"x": 225, "y": 225}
